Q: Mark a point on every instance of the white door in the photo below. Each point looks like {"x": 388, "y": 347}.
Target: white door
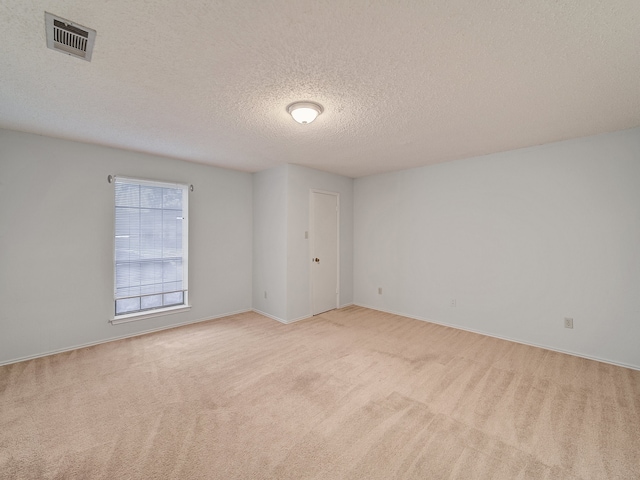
{"x": 324, "y": 252}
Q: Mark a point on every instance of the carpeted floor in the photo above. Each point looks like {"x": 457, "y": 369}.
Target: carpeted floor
{"x": 350, "y": 394}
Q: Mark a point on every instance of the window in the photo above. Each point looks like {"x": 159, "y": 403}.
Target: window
{"x": 151, "y": 243}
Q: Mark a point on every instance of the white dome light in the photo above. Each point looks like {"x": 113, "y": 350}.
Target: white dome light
{"x": 305, "y": 112}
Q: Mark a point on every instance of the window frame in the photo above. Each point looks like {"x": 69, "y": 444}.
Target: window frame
{"x": 160, "y": 311}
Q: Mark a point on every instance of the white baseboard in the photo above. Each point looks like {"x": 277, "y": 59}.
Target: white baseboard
{"x": 121, "y": 337}
{"x": 531, "y": 344}
{"x": 287, "y": 322}
{"x": 272, "y": 317}
{"x": 167, "y": 327}
{"x": 281, "y": 320}
{"x": 304, "y": 317}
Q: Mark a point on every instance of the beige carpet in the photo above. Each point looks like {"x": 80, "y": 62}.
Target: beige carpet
{"x": 351, "y": 394}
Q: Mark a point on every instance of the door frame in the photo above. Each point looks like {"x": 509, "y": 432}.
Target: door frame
{"x": 312, "y": 244}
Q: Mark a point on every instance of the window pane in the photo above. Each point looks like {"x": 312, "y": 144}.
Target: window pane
{"x": 151, "y": 277}
{"x": 127, "y": 195}
{"x": 173, "y": 299}
{"x": 153, "y": 301}
{"x": 169, "y": 270}
{"x": 151, "y": 197}
{"x": 151, "y": 244}
{"x": 172, "y": 198}
{"x": 127, "y": 305}
{"x": 127, "y": 233}
{"x": 148, "y": 245}
{"x": 172, "y": 230}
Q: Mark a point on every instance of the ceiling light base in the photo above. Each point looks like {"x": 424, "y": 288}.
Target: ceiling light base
{"x": 305, "y": 112}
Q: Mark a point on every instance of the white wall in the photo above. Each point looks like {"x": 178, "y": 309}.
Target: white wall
{"x": 270, "y": 242}
{"x": 56, "y": 250}
{"x": 300, "y": 182}
{"x": 520, "y": 239}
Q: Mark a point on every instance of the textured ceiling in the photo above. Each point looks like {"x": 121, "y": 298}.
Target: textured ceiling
{"x": 403, "y": 83}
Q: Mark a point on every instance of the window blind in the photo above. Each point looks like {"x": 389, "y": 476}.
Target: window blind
{"x": 151, "y": 232}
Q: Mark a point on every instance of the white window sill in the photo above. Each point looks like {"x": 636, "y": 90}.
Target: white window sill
{"x": 132, "y": 317}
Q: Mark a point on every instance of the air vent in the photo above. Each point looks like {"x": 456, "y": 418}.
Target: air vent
{"x": 68, "y": 37}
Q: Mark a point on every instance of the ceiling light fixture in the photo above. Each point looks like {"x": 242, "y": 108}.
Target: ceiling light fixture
{"x": 305, "y": 112}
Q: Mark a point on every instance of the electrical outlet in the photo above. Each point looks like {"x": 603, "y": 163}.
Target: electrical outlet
{"x": 379, "y": 290}
{"x": 453, "y": 302}
{"x": 568, "y": 322}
